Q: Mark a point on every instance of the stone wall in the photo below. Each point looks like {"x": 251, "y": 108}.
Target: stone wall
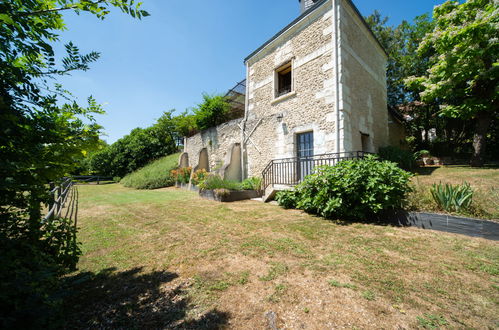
{"x": 363, "y": 84}
{"x": 274, "y": 122}
{"x": 218, "y": 142}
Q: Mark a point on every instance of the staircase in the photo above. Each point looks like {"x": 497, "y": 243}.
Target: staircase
{"x": 284, "y": 174}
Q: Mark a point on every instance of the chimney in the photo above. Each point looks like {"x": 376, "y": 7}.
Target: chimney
{"x": 306, "y": 4}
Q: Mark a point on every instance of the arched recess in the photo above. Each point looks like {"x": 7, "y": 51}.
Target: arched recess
{"x": 183, "y": 160}
{"x": 232, "y": 171}
{"x": 203, "y": 160}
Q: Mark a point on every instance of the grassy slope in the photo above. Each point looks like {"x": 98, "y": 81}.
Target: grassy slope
{"x": 154, "y": 175}
{"x": 155, "y": 259}
{"x": 485, "y": 182}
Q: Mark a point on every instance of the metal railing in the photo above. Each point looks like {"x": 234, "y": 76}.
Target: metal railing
{"x": 65, "y": 201}
{"x": 291, "y": 171}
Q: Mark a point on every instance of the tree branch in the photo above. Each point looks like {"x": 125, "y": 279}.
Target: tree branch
{"x": 47, "y": 11}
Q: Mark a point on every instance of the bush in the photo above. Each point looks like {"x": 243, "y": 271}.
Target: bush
{"x": 253, "y": 183}
{"x": 199, "y": 176}
{"x": 213, "y": 111}
{"x": 215, "y": 181}
{"x": 352, "y": 189}
{"x": 404, "y": 158}
{"x": 453, "y": 198}
{"x": 288, "y": 199}
{"x": 153, "y": 176}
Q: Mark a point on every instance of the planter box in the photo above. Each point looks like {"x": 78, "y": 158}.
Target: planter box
{"x": 185, "y": 186}
{"x": 232, "y": 196}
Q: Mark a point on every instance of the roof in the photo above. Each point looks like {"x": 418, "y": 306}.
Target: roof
{"x": 305, "y": 14}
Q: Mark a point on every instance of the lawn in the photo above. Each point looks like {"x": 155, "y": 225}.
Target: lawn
{"x": 166, "y": 258}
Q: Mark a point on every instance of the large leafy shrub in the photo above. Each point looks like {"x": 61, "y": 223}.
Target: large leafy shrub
{"x": 405, "y": 159}
{"x": 154, "y": 175}
{"x": 353, "y": 189}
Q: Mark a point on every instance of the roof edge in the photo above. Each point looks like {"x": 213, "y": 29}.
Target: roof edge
{"x": 305, "y": 14}
{"x": 290, "y": 25}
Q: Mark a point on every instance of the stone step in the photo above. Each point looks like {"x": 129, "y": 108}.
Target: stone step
{"x": 271, "y": 191}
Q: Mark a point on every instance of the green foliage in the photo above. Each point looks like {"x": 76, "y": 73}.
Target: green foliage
{"x": 215, "y": 181}
{"x": 29, "y": 286}
{"x": 254, "y": 183}
{"x": 463, "y": 71}
{"x": 199, "y": 176}
{"x": 213, "y": 111}
{"x": 452, "y": 198}
{"x": 154, "y": 175}
{"x": 288, "y": 199}
{"x": 137, "y": 149}
{"x": 44, "y": 134}
{"x": 182, "y": 175}
{"x": 404, "y": 158}
{"x": 353, "y": 189}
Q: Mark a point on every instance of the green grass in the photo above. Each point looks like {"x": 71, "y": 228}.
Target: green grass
{"x": 246, "y": 258}
{"x": 154, "y": 175}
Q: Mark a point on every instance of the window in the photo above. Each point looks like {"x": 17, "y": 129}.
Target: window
{"x": 283, "y": 80}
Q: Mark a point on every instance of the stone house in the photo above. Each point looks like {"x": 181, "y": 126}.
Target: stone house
{"x": 315, "y": 93}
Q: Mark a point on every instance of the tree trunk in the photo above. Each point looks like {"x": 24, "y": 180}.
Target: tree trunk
{"x": 483, "y": 120}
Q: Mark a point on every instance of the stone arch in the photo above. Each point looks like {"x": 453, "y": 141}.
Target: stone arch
{"x": 183, "y": 161}
{"x": 232, "y": 171}
{"x": 203, "y": 160}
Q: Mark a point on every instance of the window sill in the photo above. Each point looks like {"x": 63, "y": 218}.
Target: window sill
{"x": 283, "y": 97}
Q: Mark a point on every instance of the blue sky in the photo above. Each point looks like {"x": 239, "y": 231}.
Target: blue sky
{"x": 185, "y": 48}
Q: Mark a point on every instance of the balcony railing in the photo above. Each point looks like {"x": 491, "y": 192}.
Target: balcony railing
{"x": 291, "y": 171}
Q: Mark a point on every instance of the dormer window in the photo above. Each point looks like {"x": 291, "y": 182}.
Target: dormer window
{"x": 283, "y": 80}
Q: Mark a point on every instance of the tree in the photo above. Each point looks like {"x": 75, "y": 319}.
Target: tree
{"x": 42, "y": 131}
{"x": 463, "y": 72}
{"x": 213, "y": 111}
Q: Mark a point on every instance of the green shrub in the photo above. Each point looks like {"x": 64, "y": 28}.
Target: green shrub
{"x": 215, "y": 181}
{"x": 353, "y": 189}
{"x": 181, "y": 175}
{"x": 199, "y": 176}
{"x": 288, "y": 199}
{"x": 404, "y": 158}
{"x": 452, "y": 198}
{"x": 253, "y": 183}
{"x": 153, "y": 176}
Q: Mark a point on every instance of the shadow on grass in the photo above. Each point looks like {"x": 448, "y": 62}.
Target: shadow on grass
{"x": 134, "y": 300}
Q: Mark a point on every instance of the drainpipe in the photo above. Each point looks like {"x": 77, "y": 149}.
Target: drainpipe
{"x": 243, "y": 124}
{"x": 337, "y": 63}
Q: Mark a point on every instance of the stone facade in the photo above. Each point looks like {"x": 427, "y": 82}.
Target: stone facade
{"x": 363, "y": 103}
{"x": 220, "y": 143}
{"x": 309, "y": 106}
{"x": 338, "y": 92}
